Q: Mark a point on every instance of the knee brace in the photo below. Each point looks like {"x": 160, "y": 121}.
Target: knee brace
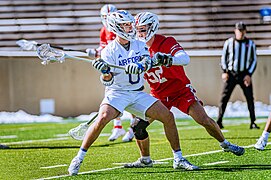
{"x": 139, "y": 128}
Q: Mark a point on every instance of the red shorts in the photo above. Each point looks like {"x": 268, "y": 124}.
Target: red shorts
{"x": 182, "y": 100}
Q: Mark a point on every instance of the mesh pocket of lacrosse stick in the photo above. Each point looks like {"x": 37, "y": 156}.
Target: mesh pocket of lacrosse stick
{"x": 78, "y": 133}
{"x": 48, "y": 54}
{"x": 27, "y": 45}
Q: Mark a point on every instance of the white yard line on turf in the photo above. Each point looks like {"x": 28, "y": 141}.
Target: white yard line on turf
{"x": 154, "y": 162}
{"x": 50, "y": 167}
{"x": 214, "y": 163}
{"x": 62, "y": 135}
{"x": 38, "y": 140}
{"x": 86, "y": 172}
{"x": 8, "y": 137}
{"x": 160, "y": 160}
{"x": 249, "y": 146}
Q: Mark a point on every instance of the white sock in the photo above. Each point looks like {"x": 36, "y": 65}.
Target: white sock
{"x": 225, "y": 143}
{"x": 130, "y": 130}
{"x": 82, "y": 153}
{"x": 265, "y": 135}
{"x": 117, "y": 123}
{"x": 178, "y": 154}
{"x": 132, "y": 120}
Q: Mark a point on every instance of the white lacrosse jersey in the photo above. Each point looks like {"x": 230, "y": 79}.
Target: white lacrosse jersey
{"x": 114, "y": 53}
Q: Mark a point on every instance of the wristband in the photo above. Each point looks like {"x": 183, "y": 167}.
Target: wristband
{"x": 107, "y": 83}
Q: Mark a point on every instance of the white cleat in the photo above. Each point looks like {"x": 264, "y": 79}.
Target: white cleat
{"x": 116, "y": 133}
{"x": 75, "y": 166}
{"x": 183, "y": 164}
{"x": 140, "y": 163}
{"x": 261, "y": 143}
{"x": 128, "y": 136}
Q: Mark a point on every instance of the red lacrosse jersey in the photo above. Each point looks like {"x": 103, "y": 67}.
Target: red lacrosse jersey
{"x": 166, "y": 82}
{"x": 106, "y": 37}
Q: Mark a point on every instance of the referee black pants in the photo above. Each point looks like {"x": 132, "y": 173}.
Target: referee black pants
{"x": 228, "y": 87}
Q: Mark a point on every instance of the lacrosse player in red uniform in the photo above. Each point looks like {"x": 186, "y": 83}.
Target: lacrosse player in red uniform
{"x": 106, "y": 36}
{"x": 169, "y": 83}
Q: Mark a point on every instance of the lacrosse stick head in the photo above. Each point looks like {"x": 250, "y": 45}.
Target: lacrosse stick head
{"x": 48, "y": 54}
{"x": 27, "y": 45}
{"x": 78, "y": 133}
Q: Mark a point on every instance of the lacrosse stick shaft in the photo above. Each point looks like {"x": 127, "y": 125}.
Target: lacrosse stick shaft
{"x": 63, "y": 48}
{"x": 92, "y": 119}
{"x": 89, "y": 60}
{"x": 31, "y": 45}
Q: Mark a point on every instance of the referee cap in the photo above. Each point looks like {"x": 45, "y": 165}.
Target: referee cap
{"x": 240, "y": 26}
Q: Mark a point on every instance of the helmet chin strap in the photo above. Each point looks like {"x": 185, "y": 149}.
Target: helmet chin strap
{"x": 126, "y": 46}
{"x": 122, "y": 41}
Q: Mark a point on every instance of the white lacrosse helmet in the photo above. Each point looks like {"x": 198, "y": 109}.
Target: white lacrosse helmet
{"x": 105, "y": 10}
{"x": 149, "y": 19}
{"x": 114, "y": 21}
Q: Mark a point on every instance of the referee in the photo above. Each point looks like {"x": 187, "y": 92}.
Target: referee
{"x": 238, "y": 63}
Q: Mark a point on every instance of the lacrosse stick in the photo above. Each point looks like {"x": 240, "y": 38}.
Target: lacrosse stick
{"x": 48, "y": 54}
{"x": 78, "y": 133}
{"x": 33, "y": 45}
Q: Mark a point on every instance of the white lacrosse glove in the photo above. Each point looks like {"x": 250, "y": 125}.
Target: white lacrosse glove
{"x": 162, "y": 59}
{"x": 134, "y": 68}
{"x": 101, "y": 66}
{"x": 92, "y": 53}
{"x": 143, "y": 65}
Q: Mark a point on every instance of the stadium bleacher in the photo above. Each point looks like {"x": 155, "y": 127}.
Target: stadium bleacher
{"x": 75, "y": 24}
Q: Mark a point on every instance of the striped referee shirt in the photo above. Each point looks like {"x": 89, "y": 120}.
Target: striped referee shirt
{"x": 239, "y": 56}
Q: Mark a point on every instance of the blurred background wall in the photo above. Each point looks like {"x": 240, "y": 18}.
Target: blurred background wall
{"x": 201, "y": 27}
{"x": 76, "y": 89}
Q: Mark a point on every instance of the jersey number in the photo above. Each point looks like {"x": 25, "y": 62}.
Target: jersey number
{"x": 132, "y": 81}
{"x": 156, "y": 76}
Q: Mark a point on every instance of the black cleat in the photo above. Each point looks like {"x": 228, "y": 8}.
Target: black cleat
{"x": 2, "y": 146}
{"x": 254, "y": 126}
{"x": 220, "y": 125}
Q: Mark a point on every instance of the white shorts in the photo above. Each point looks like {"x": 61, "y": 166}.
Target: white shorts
{"x": 135, "y": 102}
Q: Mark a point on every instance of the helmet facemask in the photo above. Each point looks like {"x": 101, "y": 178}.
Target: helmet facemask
{"x": 119, "y": 21}
{"x": 104, "y": 17}
{"x": 151, "y": 22}
{"x": 105, "y": 10}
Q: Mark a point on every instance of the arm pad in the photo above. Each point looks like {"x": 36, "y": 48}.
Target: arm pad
{"x": 181, "y": 58}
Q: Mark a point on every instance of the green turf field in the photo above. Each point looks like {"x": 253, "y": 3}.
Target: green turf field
{"x": 41, "y": 150}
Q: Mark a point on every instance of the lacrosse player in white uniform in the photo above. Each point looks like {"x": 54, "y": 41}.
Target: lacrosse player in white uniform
{"x": 106, "y": 37}
{"x": 124, "y": 90}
